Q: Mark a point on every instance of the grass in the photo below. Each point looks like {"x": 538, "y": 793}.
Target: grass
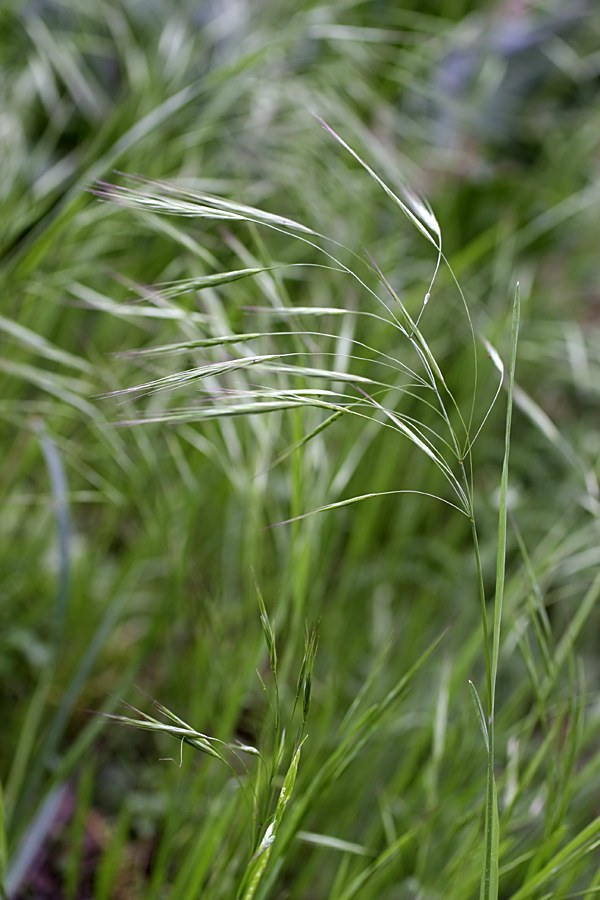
{"x": 266, "y": 351}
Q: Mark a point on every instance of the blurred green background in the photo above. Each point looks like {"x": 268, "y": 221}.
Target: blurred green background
{"x": 127, "y": 550}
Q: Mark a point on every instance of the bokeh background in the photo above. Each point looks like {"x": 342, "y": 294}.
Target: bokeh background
{"x": 127, "y": 550}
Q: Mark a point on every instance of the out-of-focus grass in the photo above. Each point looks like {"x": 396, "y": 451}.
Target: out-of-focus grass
{"x": 143, "y": 537}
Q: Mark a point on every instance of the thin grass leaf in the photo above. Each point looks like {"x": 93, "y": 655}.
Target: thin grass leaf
{"x": 190, "y": 879}
{"x": 333, "y": 843}
{"x": 538, "y": 761}
{"x": 530, "y": 665}
{"x": 303, "y": 441}
{"x": 42, "y": 347}
{"x": 67, "y": 390}
{"x": 441, "y": 464}
{"x": 421, "y": 217}
{"x": 499, "y": 365}
{"x": 480, "y": 715}
{"x": 30, "y": 731}
{"x": 538, "y": 613}
{"x": 340, "y": 503}
{"x": 572, "y": 633}
{"x": 569, "y": 855}
{"x": 105, "y": 882}
{"x": 384, "y": 859}
{"x": 356, "y": 737}
{"x": 22, "y": 791}
{"x": 490, "y": 876}
{"x": 31, "y": 251}
{"x": 96, "y": 300}
{"x": 77, "y": 829}
{"x": 546, "y": 426}
{"x": 259, "y": 862}
{"x": 501, "y": 552}
{"x": 70, "y": 67}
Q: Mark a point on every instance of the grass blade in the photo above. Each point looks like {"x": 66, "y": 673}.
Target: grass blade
{"x": 480, "y": 715}
{"x": 259, "y": 862}
{"x": 490, "y": 875}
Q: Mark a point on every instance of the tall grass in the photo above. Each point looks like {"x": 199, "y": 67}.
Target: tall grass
{"x": 284, "y": 282}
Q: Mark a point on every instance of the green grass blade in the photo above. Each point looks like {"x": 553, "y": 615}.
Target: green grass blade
{"x": 259, "y": 862}
{"x": 502, "y": 520}
{"x": 108, "y": 870}
{"x": 568, "y": 856}
{"x": 384, "y": 859}
{"x": 489, "y": 878}
{"x": 480, "y": 715}
{"x": 421, "y": 217}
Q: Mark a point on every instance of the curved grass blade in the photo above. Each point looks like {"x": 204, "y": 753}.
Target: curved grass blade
{"x": 340, "y": 503}
{"x": 480, "y": 715}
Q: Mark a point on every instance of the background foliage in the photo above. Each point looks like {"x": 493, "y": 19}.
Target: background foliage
{"x": 127, "y": 552}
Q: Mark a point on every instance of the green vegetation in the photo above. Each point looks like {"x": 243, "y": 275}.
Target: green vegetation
{"x": 256, "y": 399}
